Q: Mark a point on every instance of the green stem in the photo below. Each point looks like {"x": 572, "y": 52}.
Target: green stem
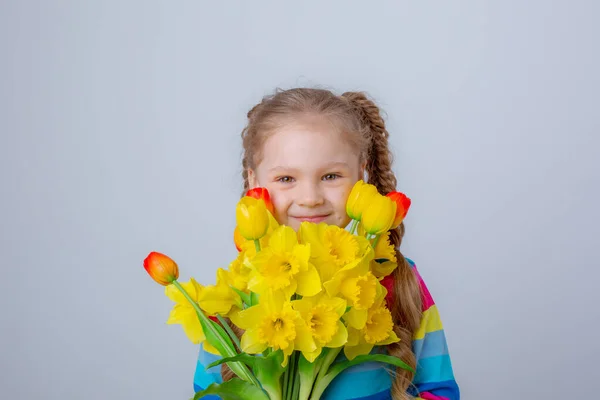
{"x": 376, "y": 240}
{"x": 295, "y": 380}
{"x": 286, "y": 375}
{"x": 353, "y": 226}
{"x": 322, "y": 381}
{"x": 230, "y": 331}
{"x": 257, "y": 245}
{"x": 247, "y": 375}
{"x": 291, "y": 375}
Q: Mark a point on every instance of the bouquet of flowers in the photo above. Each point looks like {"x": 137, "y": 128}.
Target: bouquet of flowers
{"x": 296, "y": 299}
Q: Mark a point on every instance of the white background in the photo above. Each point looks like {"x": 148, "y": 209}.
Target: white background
{"x": 120, "y": 125}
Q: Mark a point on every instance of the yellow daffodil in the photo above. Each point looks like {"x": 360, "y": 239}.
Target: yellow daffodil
{"x": 384, "y": 262}
{"x": 219, "y": 298}
{"x": 359, "y": 198}
{"x": 379, "y": 215}
{"x": 238, "y": 273}
{"x": 360, "y": 288}
{"x": 252, "y": 218}
{"x": 273, "y": 323}
{"x": 183, "y": 312}
{"x": 284, "y": 265}
{"x": 322, "y": 313}
{"x": 333, "y": 249}
{"x": 377, "y": 331}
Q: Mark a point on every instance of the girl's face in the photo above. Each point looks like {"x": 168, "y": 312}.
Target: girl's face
{"x": 309, "y": 171}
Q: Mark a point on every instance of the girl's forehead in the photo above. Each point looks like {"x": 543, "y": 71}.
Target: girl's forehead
{"x": 308, "y": 145}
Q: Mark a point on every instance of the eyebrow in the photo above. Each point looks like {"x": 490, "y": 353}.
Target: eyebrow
{"x": 338, "y": 164}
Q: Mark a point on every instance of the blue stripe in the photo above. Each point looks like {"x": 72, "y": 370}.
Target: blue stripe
{"x": 360, "y": 382}
{"x": 410, "y": 262}
{"x": 434, "y": 369}
{"x": 432, "y": 345}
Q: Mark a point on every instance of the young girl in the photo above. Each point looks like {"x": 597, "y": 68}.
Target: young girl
{"x": 309, "y": 147}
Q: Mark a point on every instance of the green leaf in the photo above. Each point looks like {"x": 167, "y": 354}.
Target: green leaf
{"x": 253, "y": 298}
{"x": 234, "y": 389}
{"x": 216, "y": 335}
{"x": 246, "y": 298}
{"x": 242, "y": 357}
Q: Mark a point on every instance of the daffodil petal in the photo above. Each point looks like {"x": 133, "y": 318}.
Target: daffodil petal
{"x": 311, "y": 356}
{"x": 391, "y": 339}
{"x": 251, "y": 342}
{"x": 309, "y": 282}
{"x": 356, "y": 318}
{"x": 341, "y": 336}
{"x": 283, "y": 238}
{"x": 249, "y": 317}
{"x": 209, "y": 348}
{"x": 352, "y": 352}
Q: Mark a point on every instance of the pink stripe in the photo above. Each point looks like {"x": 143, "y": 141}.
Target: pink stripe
{"x": 429, "y": 396}
{"x": 425, "y": 295}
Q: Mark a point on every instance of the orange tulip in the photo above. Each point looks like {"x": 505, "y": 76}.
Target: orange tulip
{"x": 402, "y": 206}
{"x": 161, "y": 268}
{"x": 262, "y": 194}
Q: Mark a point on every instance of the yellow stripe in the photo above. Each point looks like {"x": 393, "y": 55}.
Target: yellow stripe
{"x": 430, "y": 322}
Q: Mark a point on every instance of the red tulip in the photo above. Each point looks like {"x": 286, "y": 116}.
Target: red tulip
{"x": 161, "y": 268}
{"x": 388, "y": 283}
{"x": 402, "y": 206}
{"x": 262, "y": 194}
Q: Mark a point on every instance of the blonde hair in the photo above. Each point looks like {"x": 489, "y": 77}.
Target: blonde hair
{"x": 360, "y": 118}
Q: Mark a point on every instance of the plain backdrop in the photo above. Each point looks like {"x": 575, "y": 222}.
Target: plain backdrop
{"x": 120, "y": 125}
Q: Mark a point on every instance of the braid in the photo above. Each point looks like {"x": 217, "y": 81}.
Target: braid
{"x": 245, "y": 161}
{"x": 406, "y": 307}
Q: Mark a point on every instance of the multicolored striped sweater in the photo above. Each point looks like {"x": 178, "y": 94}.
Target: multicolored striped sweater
{"x": 434, "y": 379}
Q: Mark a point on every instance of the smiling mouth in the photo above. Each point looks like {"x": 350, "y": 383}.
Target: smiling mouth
{"x": 314, "y": 218}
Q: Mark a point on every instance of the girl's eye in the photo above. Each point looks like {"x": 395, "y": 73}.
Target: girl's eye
{"x": 285, "y": 179}
{"x": 330, "y": 177}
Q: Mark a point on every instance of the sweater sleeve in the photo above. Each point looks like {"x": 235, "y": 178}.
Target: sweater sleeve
{"x": 434, "y": 378}
{"x": 204, "y": 377}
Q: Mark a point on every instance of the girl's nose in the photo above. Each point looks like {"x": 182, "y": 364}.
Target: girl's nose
{"x": 310, "y": 195}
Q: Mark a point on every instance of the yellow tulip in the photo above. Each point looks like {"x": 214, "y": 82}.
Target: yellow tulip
{"x": 252, "y": 218}
{"x": 379, "y": 216}
{"x": 359, "y": 199}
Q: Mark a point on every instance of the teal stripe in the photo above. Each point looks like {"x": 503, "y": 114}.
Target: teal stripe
{"x": 432, "y": 345}
{"x": 434, "y": 369}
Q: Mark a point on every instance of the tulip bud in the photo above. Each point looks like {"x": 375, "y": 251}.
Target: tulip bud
{"x": 262, "y": 194}
{"x": 379, "y": 215}
{"x": 252, "y": 218}
{"x": 359, "y": 199}
{"x": 161, "y": 268}
{"x": 402, "y": 206}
